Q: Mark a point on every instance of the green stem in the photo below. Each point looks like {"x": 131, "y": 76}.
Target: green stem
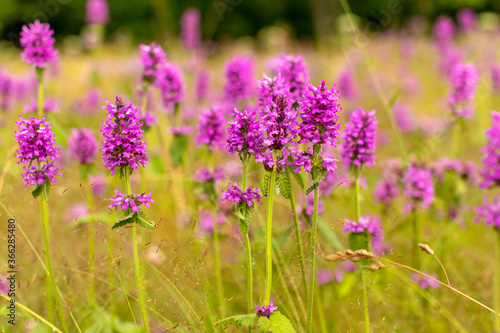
{"x": 145, "y": 96}
{"x": 457, "y": 134}
{"x": 312, "y": 269}
{"x": 269, "y": 229}
{"x": 321, "y": 313}
{"x": 138, "y": 271}
{"x": 248, "y": 248}
{"x": 356, "y": 194}
{"x": 39, "y": 75}
{"x": 52, "y": 291}
{"x": 414, "y": 248}
{"x": 496, "y": 281}
{"x": 90, "y": 202}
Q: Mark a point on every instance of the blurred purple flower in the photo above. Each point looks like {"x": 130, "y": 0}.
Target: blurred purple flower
{"x": 191, "y": 28}
{"x": 97, "y": 12}
{"x": 418, "y": 188}
{"x": 366, "y": 223}
{"x": 202, "y": 85}
{"x": 171, "y": 84}
{"x": 206, "y": 224}
{"x": 38, "y": 44}
{"x": 48, "y": 106}
{"x": 324, "y": 276}
{"x": 89, "y": 104}
{"x": 495, "y": 78}
{"x": 359, "y": 138}
{"x": 235, "y": 194}
{"x": 152, "y": 58}
{"x": 342, "y": 268}
{"x": 424, "y": 282}
{"x": 132, "y": 201}
{"x": 346, "y": 85}
{"x": 77, "y": 211}
{"x": 404, "y": 118}
{"x": 263, "y": 311}
{"x": 149, "y": 120}
{"x": 490, "y": 213}
{"x": 491, "y": 154}
{"x": 467, "y": 19}
{"x": 98, "y": 184}
{"x": 239, "y": 79}
{"x": 293, "y": 70}
{"x": 204, "y": 175}
{"x": 386, "y": 190}
{"x": 211, "y": 129}
{"x": 464, "y": 80}
{"x": 82, "y": 145}
{"x": 181, "y": 130}
{"x": 4, "y": 285}
{"x": 444, "y": 29}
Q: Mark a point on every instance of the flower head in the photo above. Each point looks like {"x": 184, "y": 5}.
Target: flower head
{"x": 366, "y": 223}
{"x": 239, "y": 79}
{"x": 206, "y": 224}
{"x": 294, "y": 72}
{"x": 132, "y": 201}
{"x": 235, "y": 194}
{"x": 358, "y": 144}
{"x": 386, "y": 190}
{"x": 190, "y": 28}
{"x": 270, "y": 91}
{"x": 491, "y": 154}
{"x": 418, "y": 188}
{"x": 263, "y": 311}
{"x": 204, "y": 175}
{"x": 82, "y": 145}
{"x": 152, "y": 58}
{"x": 319, "y": 113}
{"x": 122, "y": 144}
{"x": 245, "y": 133}
{"x": 38, "y": 44}
{"x": 444, "y": 29}
{"x": 346, "y": 84}
{"x": 324, "y": 276}
{"x": 467, "y": 19}
{"x": 490, "y": 213}
{"x": 211, "y": 129}
{"x": 97, "y": 12}
{"x": 464, "y": 80}
{"x": 171, "y": 84}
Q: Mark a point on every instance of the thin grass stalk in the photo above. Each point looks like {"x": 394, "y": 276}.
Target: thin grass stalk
{"x": 39, "y": 76}
{"x": 247, "y": 247}
{"x": 90, "y": 203}
{"x": 312, "y": 269}
{"x": 496, "y": 282}
{"x": 269, "y": 230}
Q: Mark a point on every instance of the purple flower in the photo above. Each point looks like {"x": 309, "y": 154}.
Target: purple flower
{"x": 418, "y": 188}
{"x": 48, "y": 106}
{"x": 202, "y": 83}
{"x": 122, "y": 144}
{"x": 211, "y": 129}
{"x": 262, "y": 311}
{"x": 235, "y": 194}
{"x": 404, "y": 118}
{"x": 386, "y": 190}
{"x": 346, "y": 84}
{"x": 319, "y": 113}
{"x": 467, "y": 19}
{"x": 204, "y": 175}
{"x": 465, "y": 169}
{"x": 190, "y": 28}
{"x": 444, "y": 29}
{"x": 270, "y": 91}
{"x": 450, "y": 57}
{"x": 366, "y": 223}
{"x": 239, "y": 79}
{"x": 38, "y": 44}
{"x": 35, "y": 175}
{"x": 4, "y": 285}
{"x": 6, "y": 92}
{"x": 279, "y": 122}
{"x": 342, "y": 268}
{"x": 324, "y": 276}
{"x": 206, "y": 224}
{"x": 245, "y": 133}
{"x": 36, "y": 141}
{"x": 149, "y": 120}
{"x": 88, "y": 104}
{"x": 495, "y": 78}
{"x": 132, "y": 201}
{"x": 464, "y": 80}
{"x": 491, "y": 154}
{"x": 171, "y": 84}
{"x": 152, "y": 58}
{"x": 358, "y": 144}
{"x": 98, "y": 184}
{"x": 82, "y": 145}
{"x": 424, "y": 282}
{"x": 294, "y": 72}
{"x": 97, "y": 12}
{"x": 490, "y": 213}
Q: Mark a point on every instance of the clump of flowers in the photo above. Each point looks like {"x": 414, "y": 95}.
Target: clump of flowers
{"x": 346, "y": 85}
{"x": 211, "y": 129}
{"x": 263, "y": 311}
{"x": 491, "y": 153}
{"x": 190, "y": 28}
{"x": 130, "y": 201}
{"x": 270, "y": 90}
{"x": 324, "y": 276}
{"x": 464, "y": 80}
{"x": 82, "y": 145}
{"x": 205, "y": 175}
{"x": 366, "y": 223}
{"x": 239, "y": 79}
{"x": 237, "y": 195}
{"x": 123, "y": 144}
{"x": 386, "y": 190}
{"x": 359, "y": 139}
{"x": 293, "y": 70}
{"x": 245, "y": 133}
{"x": 97, "y": 12}
{"x": 152, "y": 58}
{"x": 490, "y": 213}
{"x": 171, "y": 84}
{"x": 38, "y": 44}
{"x": 467, "y": 19}
{"x": 418, "y": 188}
{"x": 444, "y": 29}
{"x": 36, "y": 151}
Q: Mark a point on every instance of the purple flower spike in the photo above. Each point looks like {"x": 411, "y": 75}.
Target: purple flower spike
{"x": 359, "y": 139}
{"x": 418, "y": 188}
{"x": 123, "y": 144}
{"x": 97, "y": 12}
{"x": 491, "y": 169}
{"x": 467, "y": 19}
{"x": 386, "y": 190}
{"x": 152, "y": 58}
{"x": 444, "y": 29}
{"x": 294, "y": 72}
{"x": 190, "y": 28}
{"x": 132, "y": 201}
{"x": 262, "y": 311}
{"x": 366, "y": 223}
{"x": 239, "y": 76}
{"x": 235, "y": 194}
{"x": 38, "y": 44}
{"x": 464, "y": 80}
{"x": 211, "y": 129}
{"x": 490, "y": 213}
{"x": 245, "y": 133}
{"x": 319, "y": 112}
{"x": 82, "y": 145}
{"x": 171, "y": 84}
{"x": 346, "y": 84}
{"x": 271, "y": 90}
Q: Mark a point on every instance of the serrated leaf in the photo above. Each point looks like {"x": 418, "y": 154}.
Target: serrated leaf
{"x": 145, "y": 221}
{"x": 284, "y": 186}
{"x": 280, "y": 323}
{"x": 264, "y": 324}
{"x": 129, "y": 219}
{"x": 312, "y": 188}
{"x": 244, "y": 214}
{"x": 178, "y": 149}
{"x": 37, "y": 191}
{"x": 244, "y": 320}
{"x": 297, "y": 176}
{"x": 264, "y": 183}
{"x": 46, "y": 189}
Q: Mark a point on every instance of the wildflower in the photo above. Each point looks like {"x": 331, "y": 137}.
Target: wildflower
{"x": 270, "y": 91}
{"x": 425, "y": 282}
{"x": 97, "y": 12}
{"x": 245, "y": 133}
{"x": 263, "y": 311}
{"x": 366, "y": 223}
{"x": 211, "y": 129}
{"x": 347, "y": 85}
{"x": 204, "y": 175}
{"x": 206, "y": 224}
{"x": 235, "y": 194}
{"x": 359, "y": 139}
{"x": 239, "y": 79}
{"x": 404, "y": 118}
{"x": 342, "y": 268}
{"x": 152, "y": 58}
{"x": 171, "y": 84}
{"x": 444, "y": 29}
{"x": 82, "y": 145}
{"x": 324, "y": 276}
{"x": 149, "y": 120}
{"x": 38, "y": 44}
{"x": 123, "y": 144}
{"x": 491, "y": 154}
{"x": 490, "y": 213}
{"x": 464, "y": 82}
{"x": 386, "y": 190}
{"x": 294, "y": 72}
{"x": 190, "y": 28}
{"x": 132, "y": 201}
{"x": 467, "y": 19}
{"x": 48, "y": 106}
{"x": 418, "y": 188}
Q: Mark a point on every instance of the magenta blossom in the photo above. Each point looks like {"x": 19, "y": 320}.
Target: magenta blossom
{"x": 152, "y": 58}
{"x": 204, "y": 175}
{"x": 48, "y": 106}
{"x": 239, "y": 79}
{"x": 38, "y": 44}
{"x": 293, "y": 70}
{"x": 359, "y": 139}
{"x": 366, "y": 223}
{"x": 132, "y": 201}
{"x": 490, "y": 213}
{"x": 97, "y": 12}
{"x": 418, "y": 188}
{"x": 211, "y": 129}
{"x": 82, "y": 145}
{"x": 190, "y": 28}
{"x": 491, "y": 154}
{"x": 263, "y": 311}
{"x": 464, "y": 80}
{"x": 171, "y": 84}
{"x": 235, "y": 194}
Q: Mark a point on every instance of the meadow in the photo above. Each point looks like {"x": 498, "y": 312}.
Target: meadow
{"x": 328, "y": 177}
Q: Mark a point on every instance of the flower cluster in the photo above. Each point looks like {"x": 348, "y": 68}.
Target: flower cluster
{"x": 444, "y": 29}
{"x": 490, "y": 212}
{"x": 465, "y": 169}
{"x": 204, "y": 175}
{"x": 386, "y": 190}
{"x": 171, "y": 84}
{"x": 464, "y": 80}
{"x": 202, "y": 83}
{"x": 279, "y": 123}
{"x": 491, "y": 169}
{"x": 152, "y": 58}
{"x": 294, "y": 72}
{"x": 245, "y": 133}
{"x": 48, "y": 106}
{"x": 346, "y": 85}
{"x": 190, "y": 28}
{"x": 38, "y": 44}
{"x": 236, "y": 194}
{"x": 323, "y": 276}
{"x": 97, "y": 12}
{"x": 211, "y": 129}
{"x": 82, "y": 145}
{"x": 36, "y": 151}
{"x": 467, "y": 19}
{"x": 263, "y": 311}
{"x": 365, "y": 223}
{"x": 270, "y": 91}
{"x": 424, "y": 282}
{"x": 319, "y": 113}
{"x": 239, "y": 76}
{"x": 418, "y": 188}
{"x": 358, "y": 144}
{"x": 206, "y": 224}
{"x": 122, "y": 144}
{"x": 132, "y": 201}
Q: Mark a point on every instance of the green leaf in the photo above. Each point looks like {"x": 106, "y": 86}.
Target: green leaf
{"x": 280, "y": 323}
{"x": 178, "y": 149}
{"x": 394, "y": 98}
{"x": 312, "y": 188}
{"x": 330, "y": 236}
{"x": 284, "y": 186}
{"x": 359, "y": 241}
{"x": 145, "y": 221}
{"x": 297, "y": 176}
{"x": 244, "y": 320}
{"x": 46, "y": 189}
{"x": 264, "y": 324}
{"x": 264, "y": 183}
{"x": 244, "y": 214}
{"x": 37, "y": 191}
{"x": 129, "y": 219}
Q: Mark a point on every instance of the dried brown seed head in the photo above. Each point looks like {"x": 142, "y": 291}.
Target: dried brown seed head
{"x": 426, "y": 248}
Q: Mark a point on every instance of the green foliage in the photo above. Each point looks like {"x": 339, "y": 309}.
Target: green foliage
{"x": 264, "y": 183}
{"x": 42, "y": 189}
{"x": 297, "y": 176}
{"x": 139, "y": 217}
{"x": 284, "y": 186}
{"x": 244, "y": 214}
{"x": 244, "y": 320}
{"x": 178, "y": 149}
{"x": 312, "y": 188}
{"x": 277, "y": 323}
